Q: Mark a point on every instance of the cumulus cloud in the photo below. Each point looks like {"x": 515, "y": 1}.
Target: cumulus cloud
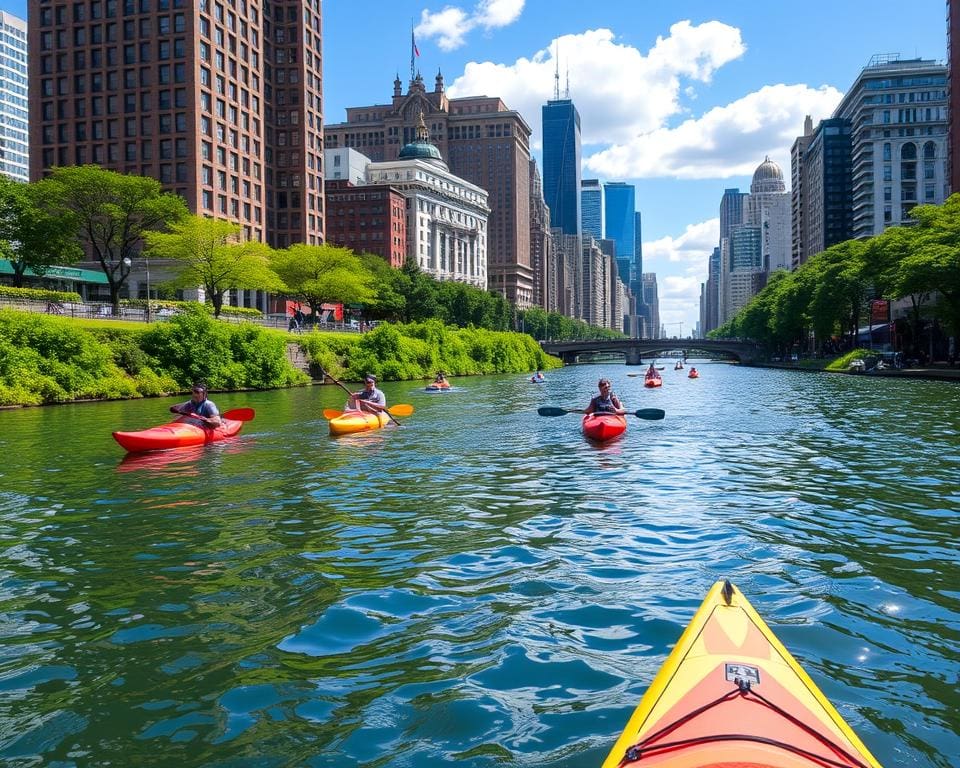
{"x": 725, "y": 141}
{"x": 451, "y": 25}
{"x": 679, "y": 292}
{"x": 619, "y": 91}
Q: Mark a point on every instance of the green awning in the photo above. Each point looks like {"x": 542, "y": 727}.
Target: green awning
{"x": 60, "y": 273}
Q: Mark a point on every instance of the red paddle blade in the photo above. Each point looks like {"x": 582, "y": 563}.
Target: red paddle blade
{"x": 240, "y": 414}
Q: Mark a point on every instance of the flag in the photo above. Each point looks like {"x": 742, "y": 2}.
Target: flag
{"x": 413, "y": 44}
{"x": 415, "y": 49}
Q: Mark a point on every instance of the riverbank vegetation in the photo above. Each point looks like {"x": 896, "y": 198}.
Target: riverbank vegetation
{"x": 834, "y": 294}
{"x": 50, "y": 359}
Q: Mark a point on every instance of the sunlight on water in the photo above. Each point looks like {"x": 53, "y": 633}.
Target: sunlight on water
{"x": 480, "y": 585}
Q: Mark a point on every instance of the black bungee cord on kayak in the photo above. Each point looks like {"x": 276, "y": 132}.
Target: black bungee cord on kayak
{"x": 647, "y": 748}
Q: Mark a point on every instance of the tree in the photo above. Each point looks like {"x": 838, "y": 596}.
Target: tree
{"x": 112, "y": 212}
{"x": 843, "y": 285}
{"x": 212, "y": 254}
{"x": 30, "y": 237}
{"x": 935, "y": 260}
{"x": 388, "y": 302}
{"x": 317, "y": 274}
{"x": 899, "y": 275}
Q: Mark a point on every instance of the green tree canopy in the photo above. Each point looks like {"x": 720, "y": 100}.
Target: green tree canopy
{"x": 935, "y": 258}
{"x": 112, "y": 212}
{"x": 212, "y": 254}
{"x": 317, "y": 274}
{"x": 30, "y": 236}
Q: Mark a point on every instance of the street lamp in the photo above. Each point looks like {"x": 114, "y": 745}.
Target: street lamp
{"x": 146, "y": 262}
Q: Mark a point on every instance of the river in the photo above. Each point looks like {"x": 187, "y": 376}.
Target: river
{"x": 479, "y": 586}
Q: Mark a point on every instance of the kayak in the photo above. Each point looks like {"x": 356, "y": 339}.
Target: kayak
{"x": 176, "y": 434}
{"x": 693, "y": 375}
{"x": 357, "y": 421}
{"x": 437, "y": 387}
{"x": 603, "y": 426}
{"x": 653, "y": 381}
{"x": 535, "y": 380}
{"x": 730, "y": 694}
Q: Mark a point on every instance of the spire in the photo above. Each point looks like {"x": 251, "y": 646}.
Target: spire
{"x": 566, "y": 94}
{"x": 422, "y": 133}
{"x": 556, "y": 72}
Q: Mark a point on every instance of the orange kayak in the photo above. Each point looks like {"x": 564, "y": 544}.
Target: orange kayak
{"x": 730, "y": 695}
{"x": 357, "y": 421}
{"x": 176, "y": 435}
{"x": 653, "y": 381}
{"x": 603, "y": 426}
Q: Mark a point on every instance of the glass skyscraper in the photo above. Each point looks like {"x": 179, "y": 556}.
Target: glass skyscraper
{"x": 561, "y": 164}
{"x": 591, "y": 208}
{"x": 620, "y": 220}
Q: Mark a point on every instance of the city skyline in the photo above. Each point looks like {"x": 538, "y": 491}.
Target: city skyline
{"x": 683, "y": 102}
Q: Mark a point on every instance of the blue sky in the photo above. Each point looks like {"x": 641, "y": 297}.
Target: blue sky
{"x": 682, "y": 99}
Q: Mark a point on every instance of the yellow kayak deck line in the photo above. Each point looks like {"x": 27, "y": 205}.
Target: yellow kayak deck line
{"x": 731, "y": 695}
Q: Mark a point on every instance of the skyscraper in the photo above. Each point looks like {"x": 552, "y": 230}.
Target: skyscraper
{"x": 827, "y": 202}
{"x": 482, "y": 141}
{"x": 181, "y": 92}
{"x": 14, "y": 137}
{"x": 768, "y": 207}
{"x": 591, "y": 208}
{"x": 620, "y": 222}
{"x": 898, "y": 114}
{"x": 561, "y": 164}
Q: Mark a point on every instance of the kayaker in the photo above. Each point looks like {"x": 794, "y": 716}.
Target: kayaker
{"x": 606, "y": 401}
{"x": 538, "y": 376}
{"x": 652, "y": 372}
{"x": 369, "y": 398}
{"x": 441, "y": 380}
{"x": 198, "y": 410}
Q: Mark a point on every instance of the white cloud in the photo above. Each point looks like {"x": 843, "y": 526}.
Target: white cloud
{"x": 686, "y": 257}
{"x": 726, "y": 141}
{"x": 619, "y": 91}
{"x": 451, "y": 25}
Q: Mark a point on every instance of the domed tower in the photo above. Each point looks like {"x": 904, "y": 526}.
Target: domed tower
{"x": 421, "y": 148}
{"x": 767, "y": 178}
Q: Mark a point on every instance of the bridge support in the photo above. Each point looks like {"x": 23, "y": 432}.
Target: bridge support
{"x": 569, "y": 358}
{"x": 633, "y": 357}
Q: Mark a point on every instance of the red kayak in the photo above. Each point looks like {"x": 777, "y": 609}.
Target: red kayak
{"x": 653, "y": 381}
{"x": 177, "y": 434}
{"x": 603, "y": 426}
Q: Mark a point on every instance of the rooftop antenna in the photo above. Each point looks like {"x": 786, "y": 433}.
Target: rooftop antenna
{"x": 556, "y": 72}
{"x": 567, "y": 94}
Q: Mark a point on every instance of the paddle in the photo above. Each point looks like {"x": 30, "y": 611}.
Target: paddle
{"x": 237, "y": 414}
{"x": 634, "y": 375}
{"x": 650, "y": 414}
{"x": 359, "y": 402}
{"x": 400, "y": 409}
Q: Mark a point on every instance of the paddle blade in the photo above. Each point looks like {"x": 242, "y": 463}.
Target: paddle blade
{"x": 401, "y": 409}
{"x": 331, "y": 413}
{"x": 650, "y": 414}
{"x": 240, "y": 414}
{"x": 550, "y": 410}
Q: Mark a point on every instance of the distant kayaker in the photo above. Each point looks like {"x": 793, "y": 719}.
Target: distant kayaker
{"x": 369, "y": 398}
{"x": 606, "y": 401}
{"x": 198, "y": 406}
{"x": 538, "y": 376}
{"x": 652, "y": 372}
{"x": 441, "y": 380}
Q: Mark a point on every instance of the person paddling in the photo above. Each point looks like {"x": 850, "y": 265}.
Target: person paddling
{"x": 606, "y": 401}
{"x": 441, "y": 380}
{"x": 198, "y": 410}
{"x": 538, "y": 376}
{"x": 369, "y": 398}
{"x": 652, "y": 372}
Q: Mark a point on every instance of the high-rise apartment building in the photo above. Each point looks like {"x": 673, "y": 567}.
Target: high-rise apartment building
{"x": 651, "y": 305}
{"x": 483, "y": 142}
{"x": 591, "y": 208}
{"x": 898, "y": 115}
{"x": 827, "y": 210}
{"x": 219, "y": 101}
{"x": 541, "y": 244}
{"x": 797, "y": 152}
{"x": 561, "y": 164}
{"x": 14, "y": 105}
{"x": 953, "y": 96}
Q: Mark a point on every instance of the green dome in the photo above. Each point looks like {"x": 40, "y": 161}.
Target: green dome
{"x": 420, "y": 150}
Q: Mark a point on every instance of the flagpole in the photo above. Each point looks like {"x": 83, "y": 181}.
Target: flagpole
{"x": 413, "y": 47}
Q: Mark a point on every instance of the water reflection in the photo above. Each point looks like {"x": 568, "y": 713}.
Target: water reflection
{"x": 481, "y": 585}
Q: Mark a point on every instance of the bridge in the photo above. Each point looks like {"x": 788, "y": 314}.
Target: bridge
{"x": 635, "y": 349}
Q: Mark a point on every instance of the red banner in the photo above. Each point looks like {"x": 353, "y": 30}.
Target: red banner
{"x": 879, "y": 311}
